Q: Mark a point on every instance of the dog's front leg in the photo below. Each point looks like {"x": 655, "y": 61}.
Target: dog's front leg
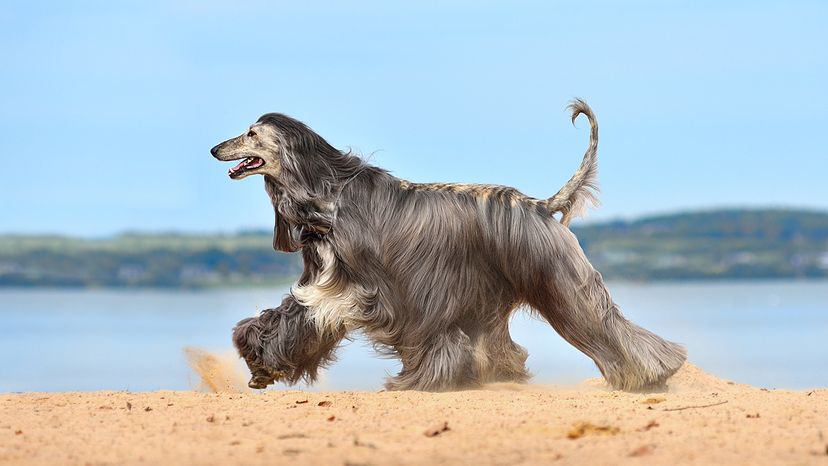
{"x": 284, "y": 344}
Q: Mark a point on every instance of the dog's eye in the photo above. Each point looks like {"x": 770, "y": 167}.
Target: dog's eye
{"x": 251, "y": 133}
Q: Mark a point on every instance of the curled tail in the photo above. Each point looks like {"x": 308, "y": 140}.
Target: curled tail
{"x": 581, "y": 190}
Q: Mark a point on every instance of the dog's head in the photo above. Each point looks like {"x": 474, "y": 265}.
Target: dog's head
{"x": 261, "y": 151}
{"x": 278, "y": 145}
{"x": 300, "y": 168}
{"x": 303, "y": 173}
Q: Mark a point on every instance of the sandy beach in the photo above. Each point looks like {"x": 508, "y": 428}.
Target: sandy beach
{"x": 700, "y": 419}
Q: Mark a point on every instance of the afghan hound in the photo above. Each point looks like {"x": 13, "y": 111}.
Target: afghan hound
{"x": 429, "y": 272}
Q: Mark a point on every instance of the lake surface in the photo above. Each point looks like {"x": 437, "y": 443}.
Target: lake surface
{"x": 771, "y": 334}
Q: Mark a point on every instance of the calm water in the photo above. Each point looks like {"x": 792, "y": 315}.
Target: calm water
{"x": 771, "y": 334}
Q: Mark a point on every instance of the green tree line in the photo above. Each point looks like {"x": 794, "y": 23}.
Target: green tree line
{"x": 721, "y": 244}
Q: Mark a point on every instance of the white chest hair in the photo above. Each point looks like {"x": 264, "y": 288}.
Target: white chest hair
{"x": 333, "y": 302}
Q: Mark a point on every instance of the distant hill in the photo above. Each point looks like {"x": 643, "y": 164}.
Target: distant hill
{"x": 145, "y": 260}
{"x": 768, "y": 243}
{"x": 721, "y": 244}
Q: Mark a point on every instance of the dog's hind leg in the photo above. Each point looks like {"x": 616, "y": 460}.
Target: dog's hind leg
{"x": 445, "y": 362}
{"x": 497, "y": 357}
{"x": 578, "y": 305}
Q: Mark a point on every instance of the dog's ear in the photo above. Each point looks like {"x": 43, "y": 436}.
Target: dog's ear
{"x": 285, "y": 236}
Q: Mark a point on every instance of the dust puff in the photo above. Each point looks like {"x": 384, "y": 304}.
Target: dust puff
{"x": 217, "y": 373}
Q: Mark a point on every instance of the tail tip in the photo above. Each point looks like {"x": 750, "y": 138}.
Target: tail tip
{"x": 576, "y": 107}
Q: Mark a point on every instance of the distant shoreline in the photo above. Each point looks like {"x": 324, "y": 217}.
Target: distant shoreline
{"x": 725, "y": 245}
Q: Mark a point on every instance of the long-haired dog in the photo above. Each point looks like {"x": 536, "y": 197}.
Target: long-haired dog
{"x": 429, "y": 272}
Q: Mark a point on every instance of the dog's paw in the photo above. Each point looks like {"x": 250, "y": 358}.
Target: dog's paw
{"x": 259, "y": 382}
{"x": 263, "y": 376}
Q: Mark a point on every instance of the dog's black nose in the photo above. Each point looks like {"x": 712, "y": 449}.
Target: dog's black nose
{"x": 214, "y": 150}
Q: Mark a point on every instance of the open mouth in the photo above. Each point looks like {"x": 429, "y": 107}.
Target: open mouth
{"x": 250, "y": 163}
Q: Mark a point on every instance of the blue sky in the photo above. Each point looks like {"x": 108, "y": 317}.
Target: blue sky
{"x": 109, "y": 108}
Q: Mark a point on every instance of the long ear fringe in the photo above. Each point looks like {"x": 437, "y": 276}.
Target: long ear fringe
{"x": 285, "y": 237}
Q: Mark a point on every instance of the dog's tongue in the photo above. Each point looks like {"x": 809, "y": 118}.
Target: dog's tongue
{"x": 238, "y": 167}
